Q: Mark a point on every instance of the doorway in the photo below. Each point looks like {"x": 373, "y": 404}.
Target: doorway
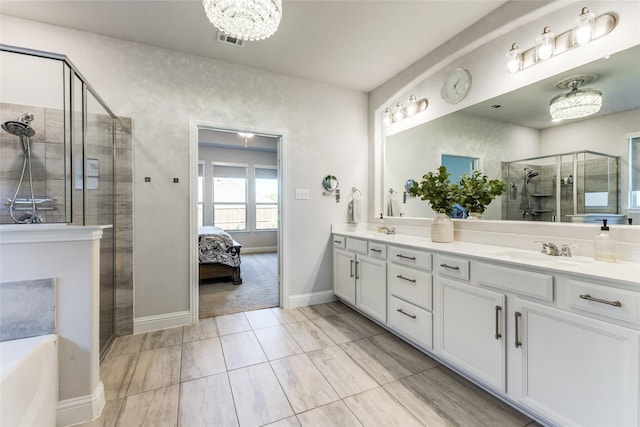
{"x": 238, "y": 194}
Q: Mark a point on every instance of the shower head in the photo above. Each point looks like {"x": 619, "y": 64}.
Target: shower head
{"x": 530, "y": 174}
{"x": 19, "y": 128}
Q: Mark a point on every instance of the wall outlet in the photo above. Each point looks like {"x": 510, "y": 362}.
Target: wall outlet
{"x": 302, "y": 194}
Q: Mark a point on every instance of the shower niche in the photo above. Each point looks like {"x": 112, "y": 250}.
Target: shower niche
{"x": 579, "y": 186}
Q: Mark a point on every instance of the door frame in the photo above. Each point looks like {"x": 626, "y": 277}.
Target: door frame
{"x": 194, "y": 126}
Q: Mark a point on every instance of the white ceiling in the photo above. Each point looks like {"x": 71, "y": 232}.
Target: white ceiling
{"x": 353, "y": 44}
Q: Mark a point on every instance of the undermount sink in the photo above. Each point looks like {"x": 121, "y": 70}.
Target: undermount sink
{"x": 541, "y": 258}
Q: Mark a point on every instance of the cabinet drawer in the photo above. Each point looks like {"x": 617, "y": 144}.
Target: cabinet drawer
{"x": 410, "y": 285}
{"x": 411, "y": 321}
{"x": 453, "y": 267}
{"x": 527, "y": 283}
{"x": 356, "y": 245}
{"x": 411, "y": 257}
{"x": 339, "y": 242}
{"x": 602, "y": 300}
{"x": 377, "y": 250}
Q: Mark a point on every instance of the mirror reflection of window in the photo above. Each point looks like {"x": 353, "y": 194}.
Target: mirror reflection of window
{"x": 634, "y": 172}
{"x": 459, "y": 165}
{"x": 230, "y": 197}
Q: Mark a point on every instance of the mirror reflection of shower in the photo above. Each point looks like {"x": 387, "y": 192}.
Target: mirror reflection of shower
{"x": 530, "y": 208}
{"x": 23, "y": 130}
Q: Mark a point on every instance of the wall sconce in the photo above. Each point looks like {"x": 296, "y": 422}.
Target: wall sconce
{"x": 587, "y": 27}
{"x": 400, "y": 112}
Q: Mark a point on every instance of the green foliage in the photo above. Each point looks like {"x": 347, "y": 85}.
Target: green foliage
{"x": 477, "y": 191}
{"x": 437, "y": 189}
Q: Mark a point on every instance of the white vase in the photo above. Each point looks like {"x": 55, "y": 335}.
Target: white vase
{"x": 442, "y": 229}
{"x": 475, "y": 215}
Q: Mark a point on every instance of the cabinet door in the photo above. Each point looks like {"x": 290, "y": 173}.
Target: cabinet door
{"x": 344, "y": 278}
{"x": 371, "y": 287}
{"x": 573, "y": 369}
{"x": 470, "y": 330}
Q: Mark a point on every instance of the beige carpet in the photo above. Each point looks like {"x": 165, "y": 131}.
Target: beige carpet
{"x": 259, "y": 288}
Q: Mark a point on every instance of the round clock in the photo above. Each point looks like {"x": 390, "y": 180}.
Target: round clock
{"x": 456, "y": 85}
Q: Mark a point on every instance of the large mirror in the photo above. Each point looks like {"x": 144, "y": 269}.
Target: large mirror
{"x": 516, "y": 130}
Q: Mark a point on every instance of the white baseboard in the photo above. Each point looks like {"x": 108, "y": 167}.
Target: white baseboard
{"x": 311, "y": 299}
{"x": 161, "y": 321}
{"x": 81, "y": 409}
{"x": 258, "y": 250}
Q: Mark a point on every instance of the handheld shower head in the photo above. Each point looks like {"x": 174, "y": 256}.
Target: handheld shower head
{"x": 18, "y": 128}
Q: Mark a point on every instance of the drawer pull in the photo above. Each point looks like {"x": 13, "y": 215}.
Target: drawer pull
{"x": 376, "y": 250}
{"x": 412, "y": 258}
{"x": 602, "y": 301}
{"x": 517, "y": 316}
{"x": 451, "y": 267}
{"x": 413, "y": 316}
{"x": 351, "y": 269}
{"x": 498, "y": 310}
{"x": 338, "y": 241}
{"x": 400, "y": 276}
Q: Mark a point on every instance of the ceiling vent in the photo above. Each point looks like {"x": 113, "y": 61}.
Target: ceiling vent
{"x": 226, "y": 39}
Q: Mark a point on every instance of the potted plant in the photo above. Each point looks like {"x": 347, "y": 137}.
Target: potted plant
{"x": 475, "y": 192}
{"x": 442, "y": 195}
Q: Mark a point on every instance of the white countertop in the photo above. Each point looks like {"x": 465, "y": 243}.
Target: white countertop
{"x": 626, "y": 272}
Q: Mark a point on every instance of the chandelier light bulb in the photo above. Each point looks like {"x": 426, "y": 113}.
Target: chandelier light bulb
{"x": 245, "y": 19}
{"x": 576, "y": 104}
{"x": 545, "y": 45}
{"x": 513, "y": 59}
{"x": 584, "y": 28}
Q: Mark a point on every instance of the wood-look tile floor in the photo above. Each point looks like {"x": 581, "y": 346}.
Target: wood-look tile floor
{"x": 323, "y": 365}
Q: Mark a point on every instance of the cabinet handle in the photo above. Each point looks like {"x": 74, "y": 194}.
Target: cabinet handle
{"x": 412, "y": 258}
{"x": 357, "y": 262}
{"x": 517, "y": 316}
{"x": 351, "y": 269}
{"x": 452, "y": 267}
{"x": 337, "y": 241}
{"x": 498, "y": 310}
{"x": 413, "y": 316}
{"x": 376, "y": 250}
{"x": 400, "y": 276}
{"x": 602, "y": 301}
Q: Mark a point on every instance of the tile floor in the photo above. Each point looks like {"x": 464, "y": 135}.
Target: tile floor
{"x": 323, "y": 365}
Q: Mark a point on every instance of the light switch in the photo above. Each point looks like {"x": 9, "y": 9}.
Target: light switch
{"x": 302, "y": 193}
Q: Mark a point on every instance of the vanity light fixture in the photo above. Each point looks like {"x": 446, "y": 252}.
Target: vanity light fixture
{"x": 245, "y": 19}
{"x": 387, "y": 117}
{"x": 400, "y": 111}
{"x": 545, "y": 45}
{"x": 577, "y": 103}
{"x": 415, "y": 106}
{"x": 246, "y": 136}
{"x": 587, "y": 27}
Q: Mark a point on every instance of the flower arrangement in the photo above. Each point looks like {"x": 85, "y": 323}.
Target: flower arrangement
{"x": 477, "y": 191}
{"x": 438, "y": 190}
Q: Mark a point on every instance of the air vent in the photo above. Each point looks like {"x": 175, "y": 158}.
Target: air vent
{"x": 223, "y": 38}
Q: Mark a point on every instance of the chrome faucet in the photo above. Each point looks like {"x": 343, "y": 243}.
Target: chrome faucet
{"x": 389, "y": 230}
{"x": 549, "y": 248}
{"x": 565, "y": 250}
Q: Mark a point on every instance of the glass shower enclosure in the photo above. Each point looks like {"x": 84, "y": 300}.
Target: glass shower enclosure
{"x": 579, "y": 186}
{"x": 63, "y": 172}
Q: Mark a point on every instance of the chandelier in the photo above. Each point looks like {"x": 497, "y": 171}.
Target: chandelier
{"x": 577, "y": 103}
{"x": 245, "y": 19}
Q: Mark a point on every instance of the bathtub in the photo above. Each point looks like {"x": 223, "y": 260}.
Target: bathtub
{"x": 29, "y": 382}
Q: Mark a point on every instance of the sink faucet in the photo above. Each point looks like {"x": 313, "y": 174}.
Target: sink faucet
{"x": 565, "y": 250}
{"x": 549, "y": 248}
{"x": 389, "y": 230}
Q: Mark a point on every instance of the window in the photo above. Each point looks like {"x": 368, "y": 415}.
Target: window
{"x": 634, "y": 172}
{"x": 266, "y": 180}
{"x": 230, "y": 197}
{"x": 458, "y": 165}
{"x": 201, "y": 193}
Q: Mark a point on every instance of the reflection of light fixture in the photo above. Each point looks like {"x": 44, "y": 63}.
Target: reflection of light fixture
{"x": 246, "y": 136}
{"x": 578, "y": 102}
{"x": 415, "y": 106}
{"x": 544, "y": 45}
{"x": 583, "y": 30}
{"x": 513, "y": 59}
{"x": 245, "y": 19}
{"x": 399, "y": 112}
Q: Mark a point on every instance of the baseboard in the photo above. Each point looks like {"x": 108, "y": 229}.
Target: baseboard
{"x": 258, "y": 250}
{"x": 311, "y": 298}
{"x": 81, "y": 409}
{"x": 161, "y": 321}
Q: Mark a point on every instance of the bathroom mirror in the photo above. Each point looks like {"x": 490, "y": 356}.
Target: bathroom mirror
{"x": 514, "y": 126}
{"x": 330, "y": 183}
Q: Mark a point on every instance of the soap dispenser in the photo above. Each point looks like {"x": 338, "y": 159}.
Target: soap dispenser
{"x": 381, "y": 225}
{"x": 605, "y": 245}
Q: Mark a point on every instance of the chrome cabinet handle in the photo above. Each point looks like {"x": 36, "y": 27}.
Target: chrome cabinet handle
{"x": 602, "y": 301}
{"x": 351, "y": 269}
{"x": 357, "y": 262}
{"x": 498, "y": 310}
{"x": 412, "y": 258}
{"x": 376, "y": 250}
{"x": 337, "y": 241}
{"x": 400, "y": 276}
{"x": 517, "y": 316}
{"x": 452, "y": 267}
{"x": 413, "y": 316}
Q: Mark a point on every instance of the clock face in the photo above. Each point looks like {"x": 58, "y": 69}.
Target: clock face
{"x": 456, "y": 85}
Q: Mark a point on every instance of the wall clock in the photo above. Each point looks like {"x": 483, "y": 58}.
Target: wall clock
{"x": 456, "y": 85}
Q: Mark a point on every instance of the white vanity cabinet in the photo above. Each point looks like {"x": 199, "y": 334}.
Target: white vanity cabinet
{"x": 359, "y": 275}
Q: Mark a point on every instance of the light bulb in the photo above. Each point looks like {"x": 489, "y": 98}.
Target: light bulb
{"x": 412, "y": 106}
{"x": 386, "y": 117}
{"x": 398, "y": 112}
{"x": 584, "y": 28}
{"x": 513, "y": 59}
{"x": 545, "y": 45}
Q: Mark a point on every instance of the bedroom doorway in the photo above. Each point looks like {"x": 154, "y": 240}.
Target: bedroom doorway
{"x": 238, "y": 216}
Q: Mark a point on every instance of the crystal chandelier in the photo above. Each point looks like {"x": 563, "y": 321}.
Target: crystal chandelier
{"x": 576, "y": 104}
{"x": 245, "y": 19}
